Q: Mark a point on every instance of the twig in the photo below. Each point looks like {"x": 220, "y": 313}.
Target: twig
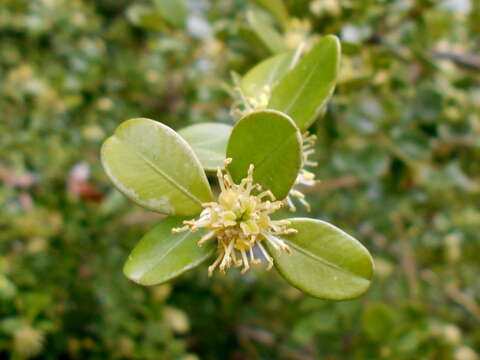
{"x": 407, "y": 259}
{"x": 453, "y": 293}
{"x": 462, "y": 60}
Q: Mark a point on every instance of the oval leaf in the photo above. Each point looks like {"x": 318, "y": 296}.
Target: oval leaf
{"x": 266, "y": 74}
{"x": 154, "y": 167}
{"x": 304, "y": 91}
{"x": 209, "y": 142}
{"x": 269, "y": 140}
{"x": 162, "y": 255}
{"x": 325, "y": 261}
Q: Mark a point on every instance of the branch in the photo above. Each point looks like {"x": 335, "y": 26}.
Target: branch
{"x": 466, "y": 61}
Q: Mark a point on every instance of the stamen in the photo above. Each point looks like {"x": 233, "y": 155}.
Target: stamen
{"x": 267, "y": 257}
{"x": 226, "y": 257}
{"x": 180, "y": 229}
{"x": 206, "y": 237}
{"x": 252, "y": 257}
{"x": 236, "y": 262}
{"x": 212, "y": 267}
{"x": 297, "y": 194}
{"x": 276, "y": 242}
{"x": 220, "y": 179}
{"x": 304, "y": 177}
{"x": 306, "y": 204}
{"x": 267, "y": 193}
{"x": 291, "y": 206}
{"x": 246, "y": 266}
{"x": 239, "y": 221}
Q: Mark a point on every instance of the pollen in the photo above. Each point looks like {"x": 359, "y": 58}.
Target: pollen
{"x": 239, "y": 221}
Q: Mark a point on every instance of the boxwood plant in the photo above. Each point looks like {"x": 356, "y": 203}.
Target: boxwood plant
{"x": 260, "y": 166}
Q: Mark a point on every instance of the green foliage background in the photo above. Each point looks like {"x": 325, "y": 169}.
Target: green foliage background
{"x": 399, "y": 154}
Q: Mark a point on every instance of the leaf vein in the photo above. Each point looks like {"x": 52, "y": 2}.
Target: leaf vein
{"x": 159, "y": 171}
{"x": 322, "y": 260}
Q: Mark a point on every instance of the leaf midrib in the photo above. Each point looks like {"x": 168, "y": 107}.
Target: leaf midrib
{"x": 161, "y": 172}
{"x": 322, "y": 260}
{"x": 275, "y": 149}
{"x": 302, "y": 87}
{"x": 165, "y": 253}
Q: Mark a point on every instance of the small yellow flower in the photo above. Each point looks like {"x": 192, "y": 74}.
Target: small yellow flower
{"x": 239, "y": 221}
{"x": 305, "y": 177}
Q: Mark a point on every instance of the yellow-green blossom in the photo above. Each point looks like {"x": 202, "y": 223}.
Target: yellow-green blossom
{"x": 240, "y": 221}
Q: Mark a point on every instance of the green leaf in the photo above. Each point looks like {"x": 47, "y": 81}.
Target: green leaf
{"x": 175, "y": 12}
{"x": 325, "y": 261}
{"x": 265, "y": 31}
{"x": 266, "y": 74}
{"x": 209, "y": 142}
{"x": 269, "y": 140}
{"x": 154, "y": 167}
{"x": 277, "y": 8}
{"x": 162, "y": 255}
{"x": 304, "y": 91}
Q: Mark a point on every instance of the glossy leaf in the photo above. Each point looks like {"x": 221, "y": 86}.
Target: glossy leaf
{"x": 265, "y": 31}
{"x": 304, "y": 91}
{"x": 209, "y": 142}
{"x": 325, "y": 261}
{"x": 162, "y": 255}
{"x": 153, "y": 166}
{"x": 266, "y": 74}
{"x": 269, "y": 140}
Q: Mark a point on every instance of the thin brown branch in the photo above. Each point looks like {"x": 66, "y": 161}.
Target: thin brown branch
{"x": 407, "y": 259}
{"x": 462, "y": 60}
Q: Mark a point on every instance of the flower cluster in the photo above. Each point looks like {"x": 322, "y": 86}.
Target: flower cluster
{"x": 240, "y": 221}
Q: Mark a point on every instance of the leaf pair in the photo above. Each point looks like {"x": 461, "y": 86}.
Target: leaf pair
{"x": 325, "y": 262}
{"x": 303, "y": 91}
{"x": 157, "y": 169}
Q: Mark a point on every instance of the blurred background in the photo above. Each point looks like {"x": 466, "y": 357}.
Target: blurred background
{"x": 399, "y": 155}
